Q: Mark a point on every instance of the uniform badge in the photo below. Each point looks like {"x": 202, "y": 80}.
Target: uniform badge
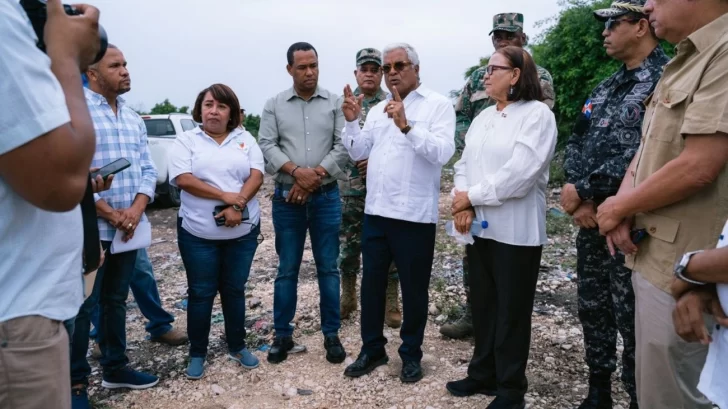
{"x": 587, "y": 110}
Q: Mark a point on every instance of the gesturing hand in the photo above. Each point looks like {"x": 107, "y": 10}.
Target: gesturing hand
{"x": 352, "y": 105}
{"x": 395, "y": 109}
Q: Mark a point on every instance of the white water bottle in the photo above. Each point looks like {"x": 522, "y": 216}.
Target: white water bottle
{"x": 466, "y": 238}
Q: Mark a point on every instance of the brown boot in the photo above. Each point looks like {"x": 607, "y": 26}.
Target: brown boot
{"x": 348, "y": 295}
{"x": 172, "y": 337}
{"x": 393, "y": 316}
{"x": 461, "y": 328}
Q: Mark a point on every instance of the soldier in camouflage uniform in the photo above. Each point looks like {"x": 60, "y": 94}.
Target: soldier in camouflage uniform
{"x": 605, "y": 139}
{"x": 507, "y": 30}
{"x": 353, "y": 192}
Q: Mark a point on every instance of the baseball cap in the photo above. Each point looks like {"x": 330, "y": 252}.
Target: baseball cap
{"x": 366, "y": 55}
{"x": 511, "y": 22}
{"x": 620, "y": 8}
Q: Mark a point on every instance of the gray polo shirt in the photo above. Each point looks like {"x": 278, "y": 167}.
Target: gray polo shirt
{"x": 307, "y": 133}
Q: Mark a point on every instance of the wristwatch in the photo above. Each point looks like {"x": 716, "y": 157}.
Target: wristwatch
{"x": 683, "y": 265}
{"x": 407, "y": 128}
{"x": 238, "y": 208}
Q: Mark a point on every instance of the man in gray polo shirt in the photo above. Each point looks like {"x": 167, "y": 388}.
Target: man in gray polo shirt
{"x": 300, "y": 138}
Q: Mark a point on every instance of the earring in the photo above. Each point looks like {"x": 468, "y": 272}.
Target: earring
{"x": 511, "y": 91}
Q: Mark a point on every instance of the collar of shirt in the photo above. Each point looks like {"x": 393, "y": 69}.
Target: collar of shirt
{"x": 708, "y": 34}
{"x": 378, "y": 97}
{"x": 235, "y": 134}
{"x": 322, "y": 93}
{"x": 420, "y": 90}
{"x": 98, "y": 99}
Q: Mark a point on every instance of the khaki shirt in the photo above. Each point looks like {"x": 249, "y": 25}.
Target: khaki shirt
{"x": 690, "y": 99}
{"x": 307, "y": 133}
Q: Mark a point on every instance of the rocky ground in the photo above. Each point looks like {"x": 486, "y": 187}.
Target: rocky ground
{"x": 556, "y": 371}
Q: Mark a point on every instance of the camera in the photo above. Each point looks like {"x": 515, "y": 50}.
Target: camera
{"x": 37, "y": 13}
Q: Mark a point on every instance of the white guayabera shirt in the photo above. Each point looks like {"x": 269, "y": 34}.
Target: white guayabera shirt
{"x": 714, "y": 378}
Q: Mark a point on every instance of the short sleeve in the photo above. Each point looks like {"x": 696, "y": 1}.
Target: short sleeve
{"x": 33, "y": 102}
{"x": 255, "y": 154}
{"x": 180, "y": 157}
{"x": 708, "y": 111}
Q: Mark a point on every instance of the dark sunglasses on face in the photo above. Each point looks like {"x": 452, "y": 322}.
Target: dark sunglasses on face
{"x": 489, "y": 69}
{"x": 398, "y": 66}
{"x": 611, "y": 24}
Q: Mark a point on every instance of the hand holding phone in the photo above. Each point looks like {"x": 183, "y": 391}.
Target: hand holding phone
{"x": 111, "y": 169}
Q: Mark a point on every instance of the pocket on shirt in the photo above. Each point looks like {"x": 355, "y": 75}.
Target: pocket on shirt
{"x": 669, "y": 115}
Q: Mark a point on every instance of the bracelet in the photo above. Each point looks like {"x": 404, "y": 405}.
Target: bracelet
{"x": 294, "y": 170}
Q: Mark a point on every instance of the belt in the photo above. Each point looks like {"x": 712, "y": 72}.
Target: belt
{"x": 284, "y": 187}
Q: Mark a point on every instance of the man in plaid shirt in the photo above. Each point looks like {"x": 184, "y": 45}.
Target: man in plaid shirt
{"x": 120, "y": 133}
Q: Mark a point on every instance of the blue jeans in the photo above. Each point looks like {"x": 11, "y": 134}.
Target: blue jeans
{"x": 216, "y": 266}
{"x": 146, "y": 294}
{"x": 321, "y": 216}
{"x": 111, "y": 289}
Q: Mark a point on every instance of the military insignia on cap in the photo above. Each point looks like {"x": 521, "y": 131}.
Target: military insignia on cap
{"x": 619, "y": 8}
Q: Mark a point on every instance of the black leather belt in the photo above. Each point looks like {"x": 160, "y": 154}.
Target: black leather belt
{"x": 323, "y": 188}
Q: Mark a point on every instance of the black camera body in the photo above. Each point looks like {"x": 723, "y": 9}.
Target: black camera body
{"x": 37, "y": 13}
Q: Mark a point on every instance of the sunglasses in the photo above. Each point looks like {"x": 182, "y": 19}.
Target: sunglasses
{"x": 611, "y": 24}
{"x": 398, "y": 66}
{"x": 490, "y": 68}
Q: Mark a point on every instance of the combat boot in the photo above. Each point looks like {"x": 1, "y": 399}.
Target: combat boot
{"x": 393, "y": 316}
{"x": 461, "y": 328}
{"x": 600, "y": 392}
{"x": 348, "y": 295}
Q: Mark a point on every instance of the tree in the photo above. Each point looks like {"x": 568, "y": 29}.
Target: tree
{"x": 167, "y": 107}
{"x": 252, "y": 124}
{"x": 573, "y": 52}
{"x": 483, "y": 62}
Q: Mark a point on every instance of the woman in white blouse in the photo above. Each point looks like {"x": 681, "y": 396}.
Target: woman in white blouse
{"x": 219, "y": 168}
{"x": 501, "y": 178}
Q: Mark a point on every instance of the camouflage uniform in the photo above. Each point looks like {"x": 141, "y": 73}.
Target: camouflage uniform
{"x": 473, "y": 100}
{"x": 605, "y": 139}
{"x": 353, "y": 193}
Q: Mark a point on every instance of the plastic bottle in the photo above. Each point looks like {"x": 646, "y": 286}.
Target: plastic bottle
{"x": 467, "y": 238}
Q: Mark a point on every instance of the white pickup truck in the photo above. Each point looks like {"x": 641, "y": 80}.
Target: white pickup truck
{"x": 161, "y": 133}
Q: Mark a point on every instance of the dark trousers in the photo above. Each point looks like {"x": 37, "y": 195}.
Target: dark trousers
{"x": 606, "y": 305}
{"x": 411, "y": 246}
{"x": 502, "y": 288}
{"x": 216, "y": 266}
{"x": 110, "y": 291}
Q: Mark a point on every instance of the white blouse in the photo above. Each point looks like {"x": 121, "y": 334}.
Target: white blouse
{"x": 225, "y": 166}
{"x": 714, "y": 378}
{"x": 505, "y": 170}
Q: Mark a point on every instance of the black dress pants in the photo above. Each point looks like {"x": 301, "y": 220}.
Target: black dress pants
{"x": 502, "y": 287}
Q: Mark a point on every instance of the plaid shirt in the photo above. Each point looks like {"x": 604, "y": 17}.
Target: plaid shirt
{"x": 122, "y": 136}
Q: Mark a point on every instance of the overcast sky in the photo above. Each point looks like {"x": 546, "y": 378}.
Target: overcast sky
{"x": 175, "y": 48}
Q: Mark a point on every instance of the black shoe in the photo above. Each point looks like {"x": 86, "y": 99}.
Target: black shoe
{"x": 279, "y": 350}
{"x": 501, "y": 402}
{"x": 411, "y": 372}
{"x": 600, "y": 393}
{"x": 364, "y": 364}
{"x": 469, "y": 387}
{"x": 335, "y": 352}
{"x": 633, "y": 405}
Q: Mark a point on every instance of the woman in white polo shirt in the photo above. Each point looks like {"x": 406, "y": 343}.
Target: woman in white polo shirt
{"x": 219, "y": 169}
{"x": 501, "y": 179}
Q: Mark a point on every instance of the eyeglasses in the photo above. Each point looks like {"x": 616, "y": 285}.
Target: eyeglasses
{"x": 489, "y": 69}
{"x": 398, "y": 66}
{"x": 611, "y": 24}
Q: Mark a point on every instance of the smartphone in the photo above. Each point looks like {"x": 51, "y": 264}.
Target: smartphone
{"x": 112, "y": 168}
{"x": 221, "y": 221}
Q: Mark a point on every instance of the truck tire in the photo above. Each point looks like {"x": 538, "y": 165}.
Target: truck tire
{"x": 171, "y": 198}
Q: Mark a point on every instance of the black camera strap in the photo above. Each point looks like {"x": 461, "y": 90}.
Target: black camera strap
{"x": 91, "y": 247}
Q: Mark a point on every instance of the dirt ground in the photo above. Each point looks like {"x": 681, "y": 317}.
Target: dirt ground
{"x": 556, "y": 372}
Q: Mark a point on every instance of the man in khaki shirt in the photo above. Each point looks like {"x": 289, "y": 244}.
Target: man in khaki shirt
{"x": 676, "y": 189}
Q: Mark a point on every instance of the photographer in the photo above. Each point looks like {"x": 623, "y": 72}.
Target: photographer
{"x": 46, "y": 145}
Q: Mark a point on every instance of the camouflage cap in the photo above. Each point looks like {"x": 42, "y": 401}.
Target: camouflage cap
{"x": 620, "y": 8}
{"x": 366, "y": 55}
{"x": 511, "y": 22}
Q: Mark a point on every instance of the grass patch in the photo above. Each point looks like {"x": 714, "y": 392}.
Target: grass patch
{"x": 439, "y": 284}
{"x": 558, "y": 225}
{"x": 557, "y": 176}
